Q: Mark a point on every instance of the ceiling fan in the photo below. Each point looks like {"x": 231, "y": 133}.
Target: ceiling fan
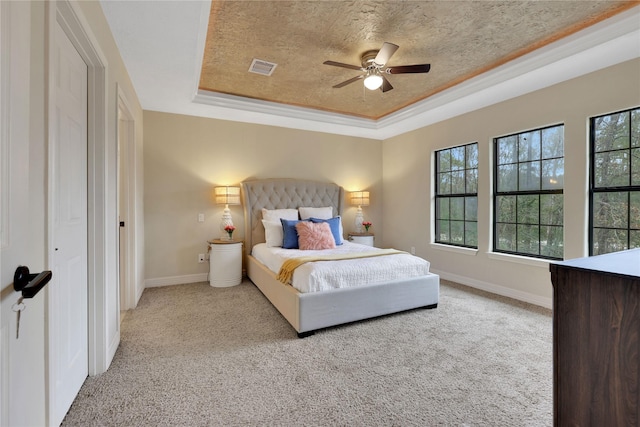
{"x": 373, "y": 62}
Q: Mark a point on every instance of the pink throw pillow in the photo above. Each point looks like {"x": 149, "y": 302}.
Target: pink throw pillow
{"x": 314, "y": 236}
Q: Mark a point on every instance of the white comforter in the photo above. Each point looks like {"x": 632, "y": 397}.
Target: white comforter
{"x": 325, "y": 275}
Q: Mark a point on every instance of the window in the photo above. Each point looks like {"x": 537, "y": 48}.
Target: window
{"x": 528, "y": 199}
{"x": 457, "y": 196}
{"x": 614, "y": 201}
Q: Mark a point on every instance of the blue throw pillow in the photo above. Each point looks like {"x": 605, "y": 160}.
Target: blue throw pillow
{"x": 289, "y": 233}
{"x": 334, "y": 225}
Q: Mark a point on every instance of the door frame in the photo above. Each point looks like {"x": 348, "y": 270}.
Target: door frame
{"x": 102, "y": 236}
{"x": 127, "y": 163}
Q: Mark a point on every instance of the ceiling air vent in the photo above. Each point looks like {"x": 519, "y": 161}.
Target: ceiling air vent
{"x": 264, "y": 68}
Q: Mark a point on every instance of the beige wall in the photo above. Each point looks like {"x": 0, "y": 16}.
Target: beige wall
{"x": 185, "y": 157}
{"x": 408, "y": 169}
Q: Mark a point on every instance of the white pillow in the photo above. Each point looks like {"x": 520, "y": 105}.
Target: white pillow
{"x": 272, "y": 233}
{"x": 320, "y": 213}
{"x": 276, "y": 214}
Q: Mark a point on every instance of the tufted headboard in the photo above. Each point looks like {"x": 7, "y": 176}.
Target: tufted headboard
{"x": 283, "y": 193}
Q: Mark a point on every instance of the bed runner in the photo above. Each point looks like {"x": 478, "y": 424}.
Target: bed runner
{"x": 288, "y": 267}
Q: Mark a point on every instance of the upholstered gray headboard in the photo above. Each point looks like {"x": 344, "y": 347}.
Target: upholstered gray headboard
{"x": 283, "y": 193}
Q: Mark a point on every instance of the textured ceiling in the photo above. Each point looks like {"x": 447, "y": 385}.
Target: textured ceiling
{"x": 460, "y": 39}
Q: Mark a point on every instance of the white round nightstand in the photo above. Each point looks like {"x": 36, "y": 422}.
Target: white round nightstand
{"x": 361, "y": 238}
{"x": 225, "y": 263}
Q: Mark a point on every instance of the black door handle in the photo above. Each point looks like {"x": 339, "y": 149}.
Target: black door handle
{"x": 29, "y": 284}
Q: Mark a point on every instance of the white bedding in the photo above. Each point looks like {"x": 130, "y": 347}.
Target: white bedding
{"x": 325, "y": 275}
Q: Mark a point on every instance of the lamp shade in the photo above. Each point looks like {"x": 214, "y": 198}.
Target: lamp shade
{"x": 360, "y": 198}
{"x": 227, "y": 195}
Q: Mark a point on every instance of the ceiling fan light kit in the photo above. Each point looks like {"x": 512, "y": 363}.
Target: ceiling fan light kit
{"x": 373, "y": 80}
{"x": 373, "y": 62}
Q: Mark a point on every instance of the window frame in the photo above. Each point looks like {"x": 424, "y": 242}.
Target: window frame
{"x": 628, "y": 189}
{"x": 517, "y": 193}
{"x": 440, "y": 196}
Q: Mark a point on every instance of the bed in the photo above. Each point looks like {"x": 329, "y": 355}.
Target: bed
{"x": 311, "y": 311}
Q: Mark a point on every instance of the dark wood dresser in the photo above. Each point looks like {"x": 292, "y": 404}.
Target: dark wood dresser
{"x": 596, "y": 346}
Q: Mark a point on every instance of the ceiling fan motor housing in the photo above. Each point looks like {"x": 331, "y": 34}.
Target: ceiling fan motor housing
{"x": 368, "y": 59}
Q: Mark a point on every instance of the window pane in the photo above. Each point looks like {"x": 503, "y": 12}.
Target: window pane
{"x": 529, "y": 147}
{"x": 635, "y": 128}
{"x": 471, "y": 233}
{"x": 528, "y": 239}
{"x": 443, "y": 230}
{"x": 457, "y": 158}
{"x": 634, "y": 220}
{"x": 472, "y": 156}
{"x": 551, "y": 243}
{"x": 457, "y": 232}
{"x": 507, "y": 178}
{"x": 444, "y": 161}
{"x": 506, "y": 208}
{"x": 607, "y": 240}
{"x": 529, "y": 178}
{"x": 457, "y": 208}
{"x": 507, "y": 149}
{"x": 471, "y": 208}
{"x": 634, "y": 237}
{"x": 444, "y": 183}
{"x": 552, "y": 174}
{"x": 610, "y": 210}
{"x": 472, "y": 181}
{"x": 612, "y": 169}
{"x": 612, "y": 131}
{"x": 442, "y": 208}
{"x": 553, "y": 142}
{"x": 551, "y": 209}
{"x": 457, "y": 182}
{"x": 528, "y": 209}
{"x": 635, "y": 166}
{"x": 506, "y": 237}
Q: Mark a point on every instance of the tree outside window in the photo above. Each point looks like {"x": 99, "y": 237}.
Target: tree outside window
{"x": 615, "y": 182}
{"x": 457, "y": 196}
{"x": 528, "y": 193}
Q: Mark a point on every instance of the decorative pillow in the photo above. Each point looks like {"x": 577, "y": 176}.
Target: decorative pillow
{"x": 335, "y": 224}
{"x": 289, "y": 233}
{"x": 272, "y": 233}
{"x": 277, "y": 214}
{"x": 314, "y": 236}
{"x": 322, "y": 213}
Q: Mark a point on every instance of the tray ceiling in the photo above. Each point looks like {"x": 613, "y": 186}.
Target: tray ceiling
{"x": 460, "y": 39}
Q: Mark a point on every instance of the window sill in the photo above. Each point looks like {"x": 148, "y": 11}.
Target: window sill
{"x": 454, "y": 249}
{"x": 536, "y": 262}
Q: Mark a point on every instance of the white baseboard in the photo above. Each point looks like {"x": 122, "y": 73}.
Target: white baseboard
{"x": 175, "y": 280}
{"x": 496, "y": 289}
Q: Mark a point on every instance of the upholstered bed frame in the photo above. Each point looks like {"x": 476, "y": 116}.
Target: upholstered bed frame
{"x": 308, "y": 312}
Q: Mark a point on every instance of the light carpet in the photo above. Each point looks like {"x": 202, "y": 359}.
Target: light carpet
{"x": 193, "y": 355}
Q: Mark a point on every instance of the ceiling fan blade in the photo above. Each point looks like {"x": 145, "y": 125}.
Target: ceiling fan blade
{"x": 339, "y": 85}
{"x": 340, "y": 64}
{"x": 385, "y": 53}
{"x": 402, "y": 69}
{"x": 386, "y": 86}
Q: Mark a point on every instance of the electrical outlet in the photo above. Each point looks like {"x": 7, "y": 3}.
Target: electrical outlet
{"x": 201, "y": 217}
{"x": 413, "y": 250}
{"x": 200, "y": 257}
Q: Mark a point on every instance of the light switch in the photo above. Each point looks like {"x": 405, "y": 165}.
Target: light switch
{"x": 201, "y": 217}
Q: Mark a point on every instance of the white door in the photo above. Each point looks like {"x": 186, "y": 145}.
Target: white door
{"x": 21, "y": 358}
{"x": 122, "y": 209}
{"x": 68, "y": 294}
